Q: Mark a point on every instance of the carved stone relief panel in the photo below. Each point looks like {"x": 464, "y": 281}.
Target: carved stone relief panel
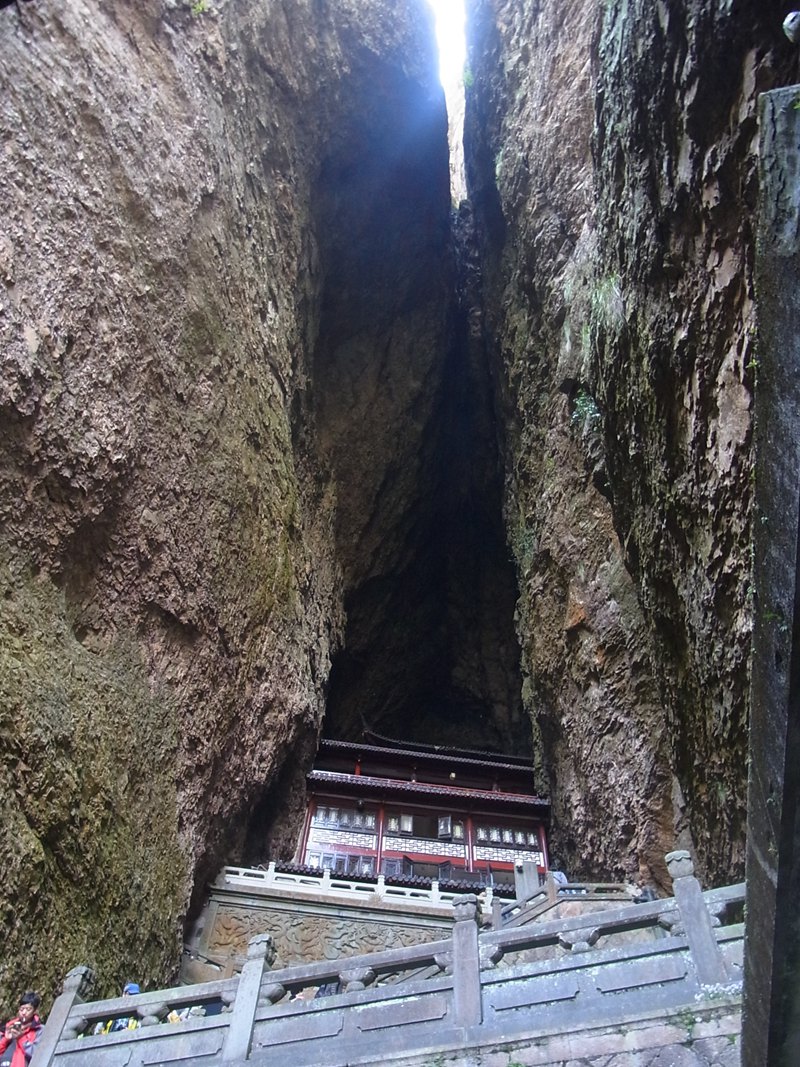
{"x": 304, "y": 937}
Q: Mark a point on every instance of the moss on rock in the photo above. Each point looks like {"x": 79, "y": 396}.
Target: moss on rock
{"x": 93, "y": 869}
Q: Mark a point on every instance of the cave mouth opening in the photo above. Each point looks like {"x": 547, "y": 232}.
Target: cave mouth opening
{"x": 398, "y": 419}
{"x": 401, "y": 410}
{"x": 431, "y": 653}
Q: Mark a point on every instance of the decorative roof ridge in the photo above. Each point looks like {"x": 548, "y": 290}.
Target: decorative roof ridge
{"x": 369, "y": 781}
{"x": 355, "y": 746}
{"x": 452, "y": 749}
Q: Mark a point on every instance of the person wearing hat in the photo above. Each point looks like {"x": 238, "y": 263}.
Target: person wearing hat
{"x": 21, "y": 1033}
{"x": 127, "y": 1022}
{"x": 130, "y": 1022}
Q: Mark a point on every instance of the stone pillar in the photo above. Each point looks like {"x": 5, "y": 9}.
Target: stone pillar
{"x": 771, "y": 1020}
{"x": 260, "y": 955}
{"x": 551, "y": 885}
{"x": 466, "y": 963}
{"x": 706, "y": 955}
{"x": 77, "y": 986}
{"x": 497, "y": 914}
{"x": 526, "y": 879}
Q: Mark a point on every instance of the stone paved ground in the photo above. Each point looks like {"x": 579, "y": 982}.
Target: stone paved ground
{"x": 710, "y": 1052}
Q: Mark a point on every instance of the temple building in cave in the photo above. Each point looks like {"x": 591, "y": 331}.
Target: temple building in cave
{"x": 393, "y": 833}
{"x": 423, "y": 812}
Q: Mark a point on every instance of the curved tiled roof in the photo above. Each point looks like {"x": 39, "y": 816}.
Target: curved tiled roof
{"x": 439, "y": 755}
{"x": 440, "y": 750}
{"x": 396, "y": 785}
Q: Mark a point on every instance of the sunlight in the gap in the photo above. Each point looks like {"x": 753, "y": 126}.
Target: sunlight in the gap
{"x": 451, "y": 39}
{"x": 450, "y": 35}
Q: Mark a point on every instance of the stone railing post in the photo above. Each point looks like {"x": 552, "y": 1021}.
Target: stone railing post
{"x": 551, "y": 885}
{"x": 356, "y": 979}
{"x": 260, "y": 956}
{"x": 380, "y": 887}
{"x": 77, "y": 986}
{"x": 467, "y": 1006}
{"x": 703, "y": 946}
{"x": 526, "y": 879}
{"x": 488, "y": 899}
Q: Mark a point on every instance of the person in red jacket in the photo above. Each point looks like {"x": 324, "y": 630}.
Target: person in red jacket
{"x": 21, "y": 1033}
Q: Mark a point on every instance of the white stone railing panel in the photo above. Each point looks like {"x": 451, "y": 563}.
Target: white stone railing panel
{"x": 335, "y": 886}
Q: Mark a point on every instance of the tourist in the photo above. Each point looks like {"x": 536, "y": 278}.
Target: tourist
{"x": 328, "y": 989}
{"x": 195, "y": 1011}
{"x": 645, "y": 892}
{"x": 126, "y": 1022}
{"x": 558, "y": 875}
{"x": 21, "y": 1033}
{"x": 129, "y": 1022}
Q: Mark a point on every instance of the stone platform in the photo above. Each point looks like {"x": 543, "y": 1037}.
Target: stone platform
{"x": 672, "y": 982}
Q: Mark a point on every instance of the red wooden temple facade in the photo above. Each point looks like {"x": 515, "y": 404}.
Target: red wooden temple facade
{"x": 422, "y": 812}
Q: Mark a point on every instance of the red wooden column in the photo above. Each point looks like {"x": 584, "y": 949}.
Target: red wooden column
{"x": 312, "y": 807}
{"x": 543, "y": 843}
{"x": 381, "y": 822}
{"x": 470, "y": 844}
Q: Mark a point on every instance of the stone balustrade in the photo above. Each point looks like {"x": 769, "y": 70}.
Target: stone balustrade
{"x": 332, "y": 885}
{"x": 516, "y": 986}
{"x": 552, "y": 893}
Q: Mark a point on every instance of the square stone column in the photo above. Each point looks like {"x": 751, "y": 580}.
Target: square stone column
{"x": 771, "y": 1022}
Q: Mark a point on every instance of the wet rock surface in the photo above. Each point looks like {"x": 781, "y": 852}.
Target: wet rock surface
{"x": 611, "y": 154}
{"x": 174, "y": 591}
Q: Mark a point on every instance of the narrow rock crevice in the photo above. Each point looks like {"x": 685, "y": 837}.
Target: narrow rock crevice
{"x": 287, "y": 447}
{"x": 402, "y": 421}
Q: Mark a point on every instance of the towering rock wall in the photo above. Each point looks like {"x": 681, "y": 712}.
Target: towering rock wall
{"x": 246, "y": 427}
{"x": 611, "y": 159}
{"x": 172, "y": 592}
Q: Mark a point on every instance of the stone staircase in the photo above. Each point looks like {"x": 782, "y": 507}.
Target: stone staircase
{"x": 633, "y": 981}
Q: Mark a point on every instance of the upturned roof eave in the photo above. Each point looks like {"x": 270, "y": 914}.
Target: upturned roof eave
{"x": 434, "y": 755}
{"x": 368, "y": 783}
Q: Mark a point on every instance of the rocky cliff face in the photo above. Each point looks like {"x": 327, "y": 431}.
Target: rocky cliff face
{"x": 187, "y": 196}
{"x": 271, "y": 437}
{"x": 611, "y": 157}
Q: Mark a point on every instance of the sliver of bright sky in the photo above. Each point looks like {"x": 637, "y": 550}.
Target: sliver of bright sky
{"x": 450, "y": 35}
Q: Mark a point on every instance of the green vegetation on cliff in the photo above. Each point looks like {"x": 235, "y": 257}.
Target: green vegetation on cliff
{"x": 92, "y": 863}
